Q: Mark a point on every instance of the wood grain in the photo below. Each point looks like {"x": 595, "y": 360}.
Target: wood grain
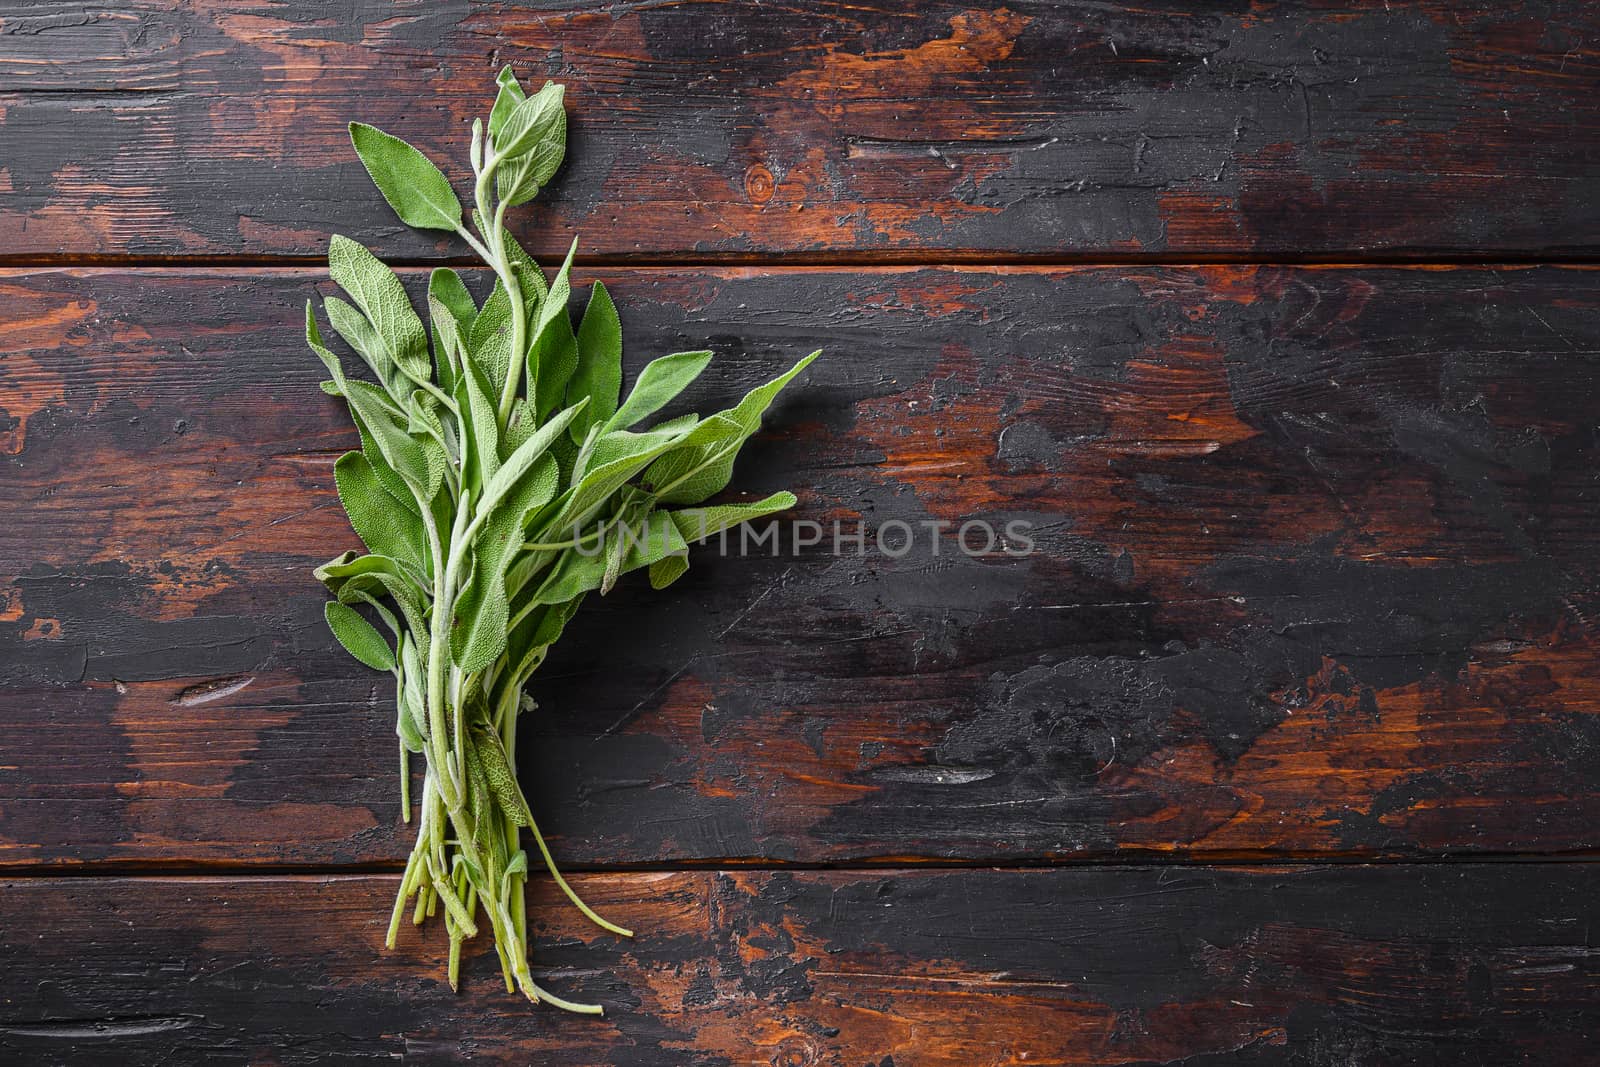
{"x": 160, "y": 128}
{"x": 1479, "y": 963}
{"x": 1314, "y": 573}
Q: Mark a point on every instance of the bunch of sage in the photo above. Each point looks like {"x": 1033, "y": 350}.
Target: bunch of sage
{"x": 502, "y": 477}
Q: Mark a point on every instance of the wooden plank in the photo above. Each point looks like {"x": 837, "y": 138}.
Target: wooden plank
{"x": 1463, "y": 964}
{"x": 1314, "y": 572}
{"x": 151, "y": 128}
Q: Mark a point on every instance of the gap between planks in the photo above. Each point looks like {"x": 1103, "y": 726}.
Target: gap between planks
{"x": 1132, "y": 861}
{"x": 947, "y": 259}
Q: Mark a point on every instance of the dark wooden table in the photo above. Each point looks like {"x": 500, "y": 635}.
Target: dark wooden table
{"x": 1278, "y": 320}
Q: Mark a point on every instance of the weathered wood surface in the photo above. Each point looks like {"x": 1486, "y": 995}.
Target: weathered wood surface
{"x": 1340, "y": 966}
{"x": 1316, "y": 573}
{"x": 149, "y": 128}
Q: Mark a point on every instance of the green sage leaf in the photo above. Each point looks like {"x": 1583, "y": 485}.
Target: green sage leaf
{"x": 354, "y": 329}
{"x": 626, "y": 455}
{"x": 665, "y": 571}
{"x": 703, "y": 463}
{"x": 417, "y": 190}
{"x": 553, "y": 355}
{"x": 358, "y": 637}
{"x": 450, "y": 314}
{"x": 387, "y": 443}
{"x": 329, "y": 360}
{"x": 652, "y": 539}
{"x": 527, "y": 481}
{"x": 574, "y": 575}
{"x": 482, "y": 611}
{"x": 520, "y": 462}
{"x": 697, "y": 524}
{"x": 482, "y": 424}
{"x": 489, "y": 343}
{"x": 660, "y": 381}
{"x": 413, "y": 711}
{"x": 598, "y": 374}
{"x": 502, "y": 779}
{"x": 505, "y": 102}
{"x": 378, "y": 293}
{"x": 350, "y": 575}
{"x": 700, "y": 465}
{"x": 531, "y": 144}
{"x": 386, "y": 524}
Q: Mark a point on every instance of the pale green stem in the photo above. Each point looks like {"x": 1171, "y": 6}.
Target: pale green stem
{"x": 556, "y": 546}
{"x": 495, "y": 255}
{"x": 405, "y": 784}
{"x": 477, "y": 245}
{"x": 407, "y": 885}
{"x": 572, "y": 895}
{"x": 443, "y": 886}
{"x": 405, "y": 757}
{"x": 460, "y": 717}
{"x": 519, "y": 320}
{"x": 438, "y": 651}
{"x": 503, "y": 951}
{"x": 420, "y": 913}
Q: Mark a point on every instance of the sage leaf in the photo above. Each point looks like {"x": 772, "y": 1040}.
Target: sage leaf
{"x": 554, "y": 353}
{"x": 413, "y": 712}
{"x": 478, "y": 635}
{"x": 652, "y": 539}
{"x": 660, "y": 381}
{"x": 503, "y": 782}
{"x": 521, "y": 461}
{"x": 703, "y": 464}
{"x": 329, "y": 360}
{"x": 574, "y": 576}
{"x": 505, "y": 102}
{"x": 380, "y": 296}
{"x": 387, "y": 443}
{"x": 697, "y": 524}
{"x": 354, "y": 329}
{"x": 370, "y": 599}
{"x": 387, "y": 525}
{"x": 351, "y": 574}
{"x": 598, "y": 374}
{"x": 700, "y": 464}
{"x": 358, "y": 636}
{"x": 405, "y": 726}
{"x": 665, "y": 571}
{"x": 599, "y": 481}
{"x": 483, "y": 430}
{"x": 490, "y": 342}
{"x": 554, "y": 620}
{"x": 531, "y": 144}
{"x": 417, "y": 190}
{"x": 450, "y": 314}
{"x": 527, "y": 481}
{"x": 522, "y": 425}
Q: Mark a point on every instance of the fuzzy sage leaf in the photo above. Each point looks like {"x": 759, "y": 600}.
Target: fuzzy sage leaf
{"x": 358, "y": 636}
{"x": 417, "y": 190}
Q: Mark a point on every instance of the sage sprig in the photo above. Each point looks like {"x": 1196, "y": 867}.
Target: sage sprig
{"x": 502, "y": 477}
